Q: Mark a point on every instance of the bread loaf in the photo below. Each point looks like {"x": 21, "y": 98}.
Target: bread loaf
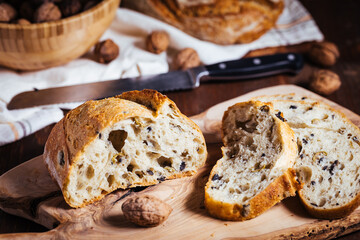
{"x": 219, "y": 21}
{"x": 329, "y": 157}
{"x": 139, "y": 138}
{"x": 255, "y": 171}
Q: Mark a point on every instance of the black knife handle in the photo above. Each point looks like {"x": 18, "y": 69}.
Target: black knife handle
{"x": 255, "y": 67}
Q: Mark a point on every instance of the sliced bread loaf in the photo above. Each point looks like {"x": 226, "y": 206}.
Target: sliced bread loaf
{"x": 255, "y": 171}
{"x": 329, "y": 157}
{"x": 135, "y": 139}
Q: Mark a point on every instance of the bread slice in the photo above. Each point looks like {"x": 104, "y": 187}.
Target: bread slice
{"x": 255, "y": 171}
{"x": 139, "y": 138}
{"x": 329, "y": 157}
{"x": 221, "y": 22}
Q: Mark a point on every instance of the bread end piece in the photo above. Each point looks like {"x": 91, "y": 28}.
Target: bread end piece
{"x": 330, "y": 213}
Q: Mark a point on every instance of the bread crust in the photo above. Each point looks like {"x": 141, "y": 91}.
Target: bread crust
{"x": 332, "y": 213}
{"x": 342, "y": 211}
{"x": 223, "y": 21}
{"x": 283, "y": 186}
{"x": 72, "y": 134}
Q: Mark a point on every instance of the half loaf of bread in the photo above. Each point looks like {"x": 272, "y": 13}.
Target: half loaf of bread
{"x": 329, "y": 156}
{"x": 255, "y": 171}
{"x": 138, "y": 138}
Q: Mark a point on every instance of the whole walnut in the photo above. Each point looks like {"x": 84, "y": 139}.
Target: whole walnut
{"x": 324, "y": 54}
{"x": 146, "y": 211}
{"x": 70, "y": 7}
{"x": 157, "y": 42}
{"x": 186, "y": 58}
{"x": 47, "y": 12}
{"x": 106, "y": 51}
{"x": 325, "y": 82}
{"x": 7, "y": 12}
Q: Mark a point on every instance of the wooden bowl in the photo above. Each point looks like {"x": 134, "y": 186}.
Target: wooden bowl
{"x": 43, "y": 45}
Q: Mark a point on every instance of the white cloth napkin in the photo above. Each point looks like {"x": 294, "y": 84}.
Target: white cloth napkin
{"x": 129, "y": 30}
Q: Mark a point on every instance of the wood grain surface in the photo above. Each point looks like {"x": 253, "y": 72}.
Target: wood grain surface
{"x": 29, "y": 192}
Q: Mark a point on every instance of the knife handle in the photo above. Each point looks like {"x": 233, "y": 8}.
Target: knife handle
{"x": 254, "y": 67}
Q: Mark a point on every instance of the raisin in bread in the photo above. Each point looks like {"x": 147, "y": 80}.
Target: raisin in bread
{"x": 139, "y": 138}
{"x": 255, "y": 171}
{"x": 329, "y": 157}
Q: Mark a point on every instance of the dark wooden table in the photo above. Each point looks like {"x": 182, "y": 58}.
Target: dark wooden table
{"x": 338, "y": 20}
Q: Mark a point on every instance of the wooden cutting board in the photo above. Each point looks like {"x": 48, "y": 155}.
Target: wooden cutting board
{"x": 29, "y": 192}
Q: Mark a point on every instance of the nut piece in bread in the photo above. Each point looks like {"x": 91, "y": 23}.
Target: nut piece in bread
{"x": 218, "y": 21}
{"x": 255, "y": 171}
{"x": 138, "y": 138}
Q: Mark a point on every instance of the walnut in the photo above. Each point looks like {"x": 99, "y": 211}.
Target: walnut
{"x": 7, "y": 12}
{"x": 323, "y": 53}
{"x": 157, "y": 42}
{"x": 47, "y": 12}
{"x": 325, "y": 82}
{"x": 146, "y": 211}
{"x": 22, "y": 21}
{"x": 186, "y": 58}
{"x": 70, "y": 7}
{"x": 106, "y": 51}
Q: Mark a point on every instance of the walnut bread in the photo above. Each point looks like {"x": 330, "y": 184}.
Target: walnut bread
{"x": 255, "y": 171}
{"x": 328, "y": 159}
{"x": 138, "y": 138}
{"x": 219, "y": 21}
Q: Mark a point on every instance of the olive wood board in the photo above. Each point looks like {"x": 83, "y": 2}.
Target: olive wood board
{"x": 29, "y": 192}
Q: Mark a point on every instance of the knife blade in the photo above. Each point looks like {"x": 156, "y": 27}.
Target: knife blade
{"x": 241, "y": 69}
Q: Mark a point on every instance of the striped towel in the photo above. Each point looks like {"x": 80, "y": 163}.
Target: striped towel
{"x": 129, "y": 30}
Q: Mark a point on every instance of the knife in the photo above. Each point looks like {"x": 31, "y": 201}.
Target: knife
{"x": 242, "y": 69}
